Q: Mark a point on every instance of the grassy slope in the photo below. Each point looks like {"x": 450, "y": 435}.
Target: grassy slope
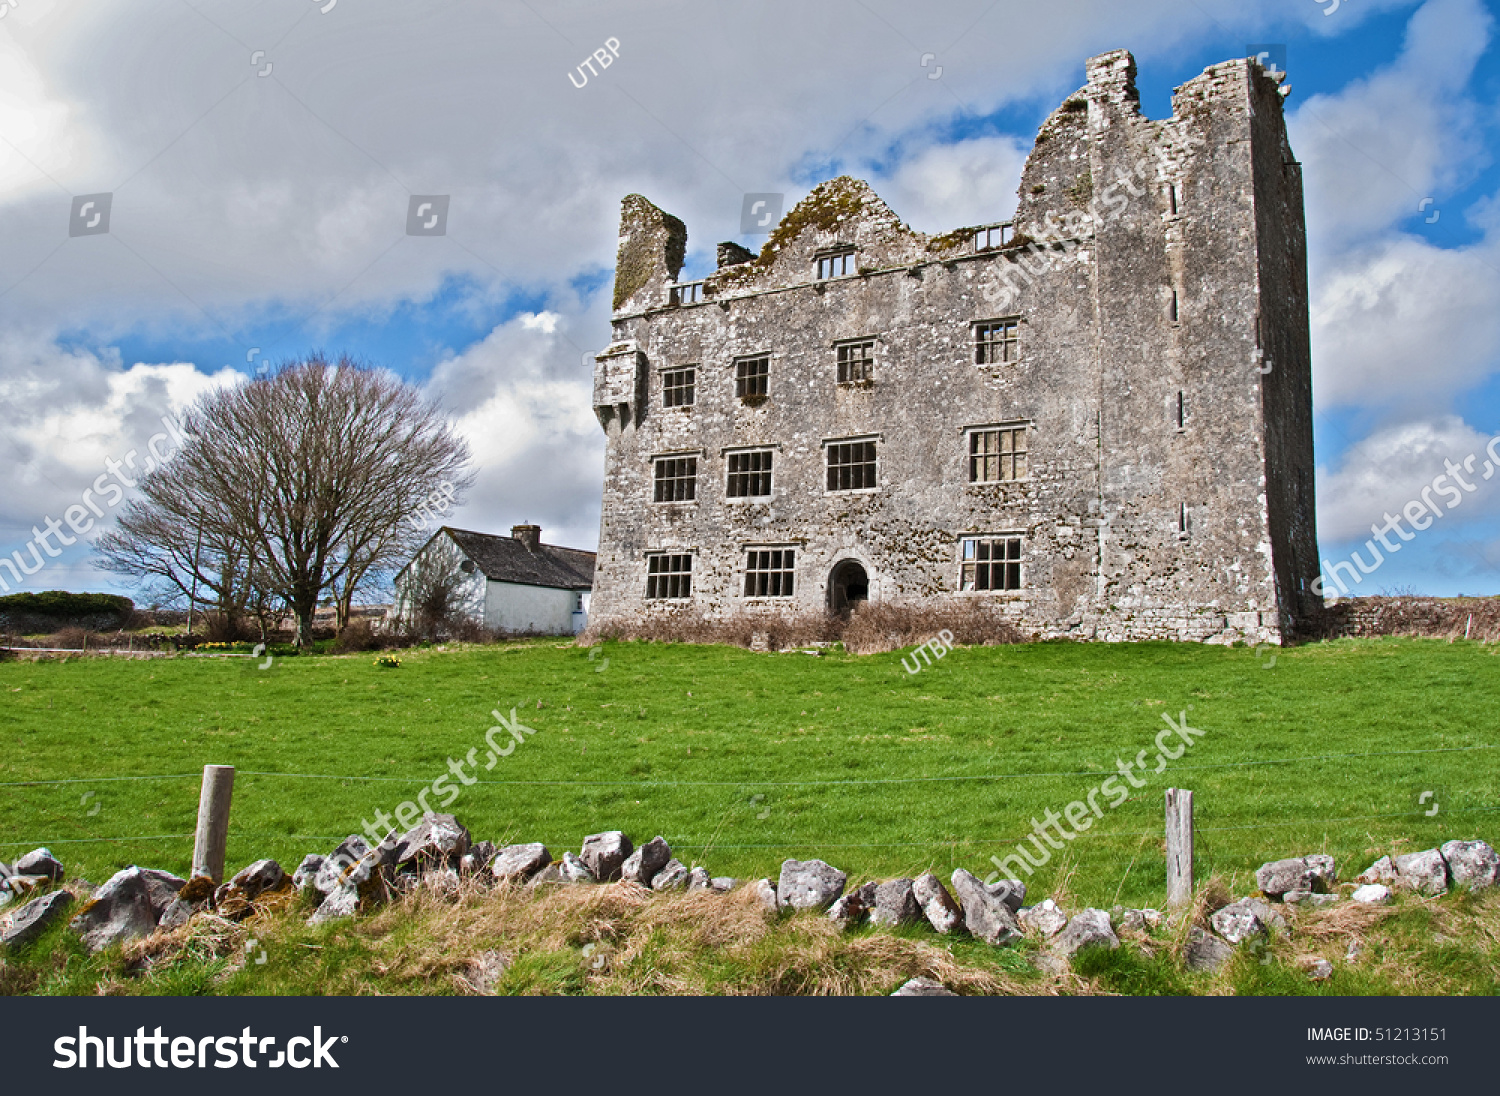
{"x": 751, "y": 723}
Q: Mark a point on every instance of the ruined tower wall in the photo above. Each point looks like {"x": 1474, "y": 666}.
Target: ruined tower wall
{"x": 1136, "y": 521}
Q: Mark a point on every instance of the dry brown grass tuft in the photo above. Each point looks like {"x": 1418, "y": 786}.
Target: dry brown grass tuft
{"x": 873, "y": 628}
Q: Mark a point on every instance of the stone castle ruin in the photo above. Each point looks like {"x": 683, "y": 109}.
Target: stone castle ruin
{"x": 1096, "y": 417}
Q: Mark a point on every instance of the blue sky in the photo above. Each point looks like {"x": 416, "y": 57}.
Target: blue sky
{"x": 261, "y": 217}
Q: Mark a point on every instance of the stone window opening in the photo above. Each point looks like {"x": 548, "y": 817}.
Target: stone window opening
{"x": 997, "y": 341}
{"x": 669, "y": 575}
{"x": 752, "y": 379}
{"x": 1172, "y": 307}
{"x": 852, "y": 465}
{"x": 1184, "y": 521}
{"x": 836, "y": 264}
{"x": 992, "y": 236}
{"x": 1182, "y": 414}
{"x": 1172, "y": 198}
{"x": 856, "y": 362}
{"x": 769, "y": 572}
{"x": 750, "y": 474}
{"x": 679, "y": 387}
{"x": 676, "y": 479}
{"x": 997, "y": 454}
{"x": 990, "y": 563}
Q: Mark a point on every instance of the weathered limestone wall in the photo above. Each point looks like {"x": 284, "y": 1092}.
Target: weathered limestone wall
{"x": 1104, "y": 356}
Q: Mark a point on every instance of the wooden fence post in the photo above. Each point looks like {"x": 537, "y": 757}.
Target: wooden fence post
{"x": 1179, "y": 847}
{"x": 213, "y": 821}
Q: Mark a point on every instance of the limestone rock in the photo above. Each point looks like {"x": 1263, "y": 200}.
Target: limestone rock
{"x": 1322, "y": 865}
{"x": 336, "y": 865}
{"x": 343, "y": 901}
{"x": 850, "y": 910}
{"x": 34, "y": 918}
{"x": 1319, "y": 970}
{"x": 1472, "y": 864}
{"x": 1089, "y": 928}
{"x": 439, "y": 840}
{"x": 1010, "y": 891}
{"x": 941, "y": 911}
{"x": 552, "y": 873}
{"x": 809, "y": 884}
{"x": 307, "y": 872}
{"x": 39, "y": 862}
{"x": 699, "y": 879}
{"x": 923, "y": 987}
{"x": 987, "y": 911}
{"x": 723, "y": 884}
{"x": 1425, "y": 872}
{"x": 575, "y": 870}
{"x": 1382, "y": 871}
{"x": 895, "y": 904}
{"x": 1372, "y": 894}
{"x": 1239, "y": 921}
{"x": 605, "y": 853}
{"x": 765, "y": 893}
{"x": 249, "y": 883}
{"x": 122, "y": 909}
{"x": 673, "y": 876}
{"x": 642, "y": 865}
{"x": 520, "y": 862}
{"x": 1301, "y": 873}
{"x": 478, "y": 858}
{"x": 1204, "y": 951}
{"x": 1309, "y": 899}
{"x": 1044, "y": 918}
{"x": 1128, "y": 920}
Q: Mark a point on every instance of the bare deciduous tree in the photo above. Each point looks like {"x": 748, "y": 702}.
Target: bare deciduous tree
{"x": 305, "y": 478}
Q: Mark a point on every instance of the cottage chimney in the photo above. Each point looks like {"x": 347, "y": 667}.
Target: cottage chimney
{"x": 529, "y": 535}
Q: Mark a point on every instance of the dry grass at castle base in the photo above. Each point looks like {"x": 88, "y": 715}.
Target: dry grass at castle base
{"x": 872, "y": 628}
{"x": 621, "y": 939}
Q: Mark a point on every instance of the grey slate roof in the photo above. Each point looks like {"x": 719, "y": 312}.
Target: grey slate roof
{"x": 506, "y": 559}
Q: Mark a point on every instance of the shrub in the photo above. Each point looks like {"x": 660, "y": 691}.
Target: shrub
{"x": 54, "y": 609}
{"x": 870, "y": 629}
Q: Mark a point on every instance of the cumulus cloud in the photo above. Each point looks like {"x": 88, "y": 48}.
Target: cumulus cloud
{"x": 1390, "y": 467}
{"x": 1404, "y": 322}
{"x": 524, "y": 401}
{"x": 943, "y": 187}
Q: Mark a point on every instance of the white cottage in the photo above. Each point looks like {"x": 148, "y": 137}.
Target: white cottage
{"x": 513, "y": 584}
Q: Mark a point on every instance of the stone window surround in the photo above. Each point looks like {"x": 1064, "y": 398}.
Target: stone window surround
{"x": 976, "y": 342}
{"x": 734, "y": 450}
{"x": 841, "y": 255}
{"x": 1028, "y": 425}
{"x": 676, "y": 454}
{"x": 840, "y": 350}
{"x": 662, "y": 577}
{"x": 744, "y": 571}
{"x": 1013, "y": 534}
{"x": 665, "y": 371}
{"x": 877, "y": 439}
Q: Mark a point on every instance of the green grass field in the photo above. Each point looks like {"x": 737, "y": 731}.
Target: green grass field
{"x": 742, "y": 759}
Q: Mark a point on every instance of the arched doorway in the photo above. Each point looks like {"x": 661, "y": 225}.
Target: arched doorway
{"x": 848, "y": 585}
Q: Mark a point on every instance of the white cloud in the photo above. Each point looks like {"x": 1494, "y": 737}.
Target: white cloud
{"x": 946, "y": 186}
{"x": 1374, "y": 150}
{"x": 1388, "y": 469}
{"x": 1403, "y": 322}
{"x": 524, "y": 401}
